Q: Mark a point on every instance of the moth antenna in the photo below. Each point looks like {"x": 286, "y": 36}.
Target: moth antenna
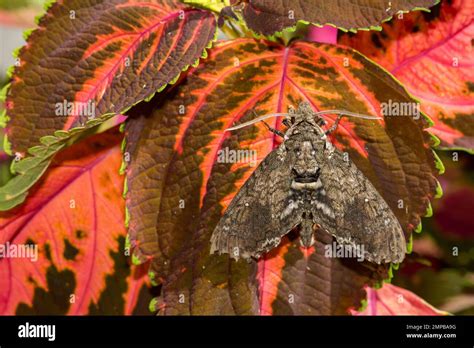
{"x": 342, "y": 113}
{"x": 258, "y": 119}
{"x": 348, "y": 113}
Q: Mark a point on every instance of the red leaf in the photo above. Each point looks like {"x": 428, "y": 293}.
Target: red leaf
{"x": 75, "y": 217}
{"x": 92, "y": 61}
{"x": 107, "y": 55}
{"x": 392, "y": 300}
{"x": 432, "y": 56}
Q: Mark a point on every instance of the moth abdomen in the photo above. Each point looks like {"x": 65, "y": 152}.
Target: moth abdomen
{"x": 307, "y": 231}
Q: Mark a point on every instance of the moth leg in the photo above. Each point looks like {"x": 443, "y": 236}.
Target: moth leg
{"x": 334, "y": 126}
{"x": 273, "y": 130}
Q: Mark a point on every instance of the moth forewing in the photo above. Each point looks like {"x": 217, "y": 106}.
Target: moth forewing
{"x": 252, "y": 224}
{"x": 362, "y": 217}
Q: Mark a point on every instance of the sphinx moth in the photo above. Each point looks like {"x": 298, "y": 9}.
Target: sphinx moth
{"x": 309, "y": 183}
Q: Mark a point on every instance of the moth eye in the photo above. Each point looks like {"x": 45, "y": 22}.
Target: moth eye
{"x": 313, "y": 152}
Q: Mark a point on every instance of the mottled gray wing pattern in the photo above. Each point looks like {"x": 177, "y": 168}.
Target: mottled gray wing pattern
{"x": 359, "y": 215}
{"x": 252, "y": 224}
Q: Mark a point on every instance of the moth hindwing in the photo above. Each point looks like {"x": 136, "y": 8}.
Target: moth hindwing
{"x": 307, "y": 182}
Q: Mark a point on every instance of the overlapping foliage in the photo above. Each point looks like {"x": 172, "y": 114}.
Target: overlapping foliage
{"x": 75, "y": 218}
{"x": 118, "y": 54}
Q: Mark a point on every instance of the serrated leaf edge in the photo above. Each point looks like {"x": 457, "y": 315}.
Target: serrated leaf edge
{"x": 289, "y": 30}
{"x": 60, "y": 134}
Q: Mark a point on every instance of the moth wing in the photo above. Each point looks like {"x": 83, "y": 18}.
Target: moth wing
{"x": 253, "y": 223}
{"x": 355, "y": 213}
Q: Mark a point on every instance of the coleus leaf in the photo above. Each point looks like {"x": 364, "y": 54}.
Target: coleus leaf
{"x": 432, "y": 56}
{"x": 177, "y": 188}
{"x": 89, "y": 61}
{"x": 112, "y": 54}
{"x": 393, "y": 300}
{"x": 75, "y": 218}
{"x": 268, "y": 17}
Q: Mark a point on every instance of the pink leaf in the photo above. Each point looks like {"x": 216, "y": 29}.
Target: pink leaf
{"x": 392, "y": 300}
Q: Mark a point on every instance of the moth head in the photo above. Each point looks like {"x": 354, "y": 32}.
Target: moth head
{"x": 304, "y": 114}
